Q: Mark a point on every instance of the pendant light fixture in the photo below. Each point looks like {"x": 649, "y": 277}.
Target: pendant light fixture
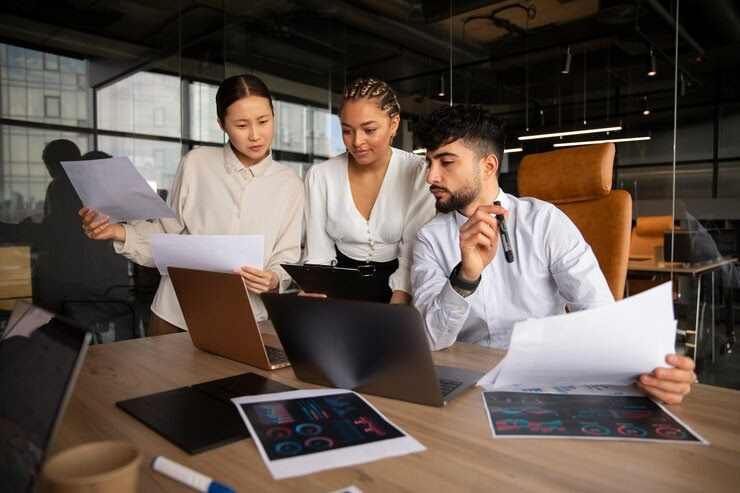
{"x": 652, "y": 64}
{"x": 441, "y": 92}
{"x": 586, "y": 128}
{"x": 645, "y": 106}
{"x": 565, "y": 61}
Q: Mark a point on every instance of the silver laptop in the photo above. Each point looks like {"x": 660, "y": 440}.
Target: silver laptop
{"x": 376, "y": 348}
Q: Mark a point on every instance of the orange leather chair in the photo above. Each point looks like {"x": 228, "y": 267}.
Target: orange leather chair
{"x": 579, "y": 182}
{"x": 648, "y": 234}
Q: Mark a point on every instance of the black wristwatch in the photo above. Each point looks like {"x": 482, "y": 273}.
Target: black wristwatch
{"x": 461, "y": 284}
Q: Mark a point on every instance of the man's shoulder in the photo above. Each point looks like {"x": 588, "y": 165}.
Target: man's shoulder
{"x": 544, "y": 219}
{"x": 439, "y": 223}
{"x": 533, "y": 207}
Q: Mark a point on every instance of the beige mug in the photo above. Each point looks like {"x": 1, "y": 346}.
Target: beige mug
{"x": 96, "y": 467}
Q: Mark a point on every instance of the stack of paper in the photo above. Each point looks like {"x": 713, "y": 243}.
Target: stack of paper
{"x": 607, "y": 345}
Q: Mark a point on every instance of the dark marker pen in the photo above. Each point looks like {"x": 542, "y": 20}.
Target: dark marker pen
{"x": 504, "y": 234}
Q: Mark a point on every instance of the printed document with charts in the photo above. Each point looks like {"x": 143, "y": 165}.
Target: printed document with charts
{"x": 570, "y": 376}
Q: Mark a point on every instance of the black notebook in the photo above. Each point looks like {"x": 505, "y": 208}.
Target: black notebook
{"x": 200, "y": 417}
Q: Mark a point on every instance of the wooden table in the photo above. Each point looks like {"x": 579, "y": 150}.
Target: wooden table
{"x": 704, "y": 341}
{"x": 462, "y": 455}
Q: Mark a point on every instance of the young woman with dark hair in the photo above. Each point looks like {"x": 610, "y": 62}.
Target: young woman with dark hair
{"x": 238, "y": 189}
{"x": 365, "y": 206}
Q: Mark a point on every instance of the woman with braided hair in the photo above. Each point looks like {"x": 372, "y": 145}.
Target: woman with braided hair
{"x": 364, "y": 207}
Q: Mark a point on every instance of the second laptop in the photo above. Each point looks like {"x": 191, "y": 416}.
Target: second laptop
{"x": 376, "y": 348}
{"x": 220, "y": 318}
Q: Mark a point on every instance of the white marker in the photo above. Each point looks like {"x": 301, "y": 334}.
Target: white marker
{"x": 187, "y": 476}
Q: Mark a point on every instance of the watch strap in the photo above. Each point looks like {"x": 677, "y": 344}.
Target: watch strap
{"x": 457, "y": 282}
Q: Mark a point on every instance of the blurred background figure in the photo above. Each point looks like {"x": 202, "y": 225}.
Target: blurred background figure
{"x": 68, "y": 266}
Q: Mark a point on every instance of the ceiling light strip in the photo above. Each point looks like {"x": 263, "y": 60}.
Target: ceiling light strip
{"x": 601, "y": 141}
{"x": 571, "y": 132}
{"x": 506, "y": 151}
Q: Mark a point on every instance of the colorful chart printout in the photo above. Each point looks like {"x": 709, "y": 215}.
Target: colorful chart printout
{"x": 535, "y": 415}
{"x": 305, "y": 431}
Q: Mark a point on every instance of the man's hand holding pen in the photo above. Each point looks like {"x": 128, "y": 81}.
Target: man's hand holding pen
{"x": 479, "y": 238}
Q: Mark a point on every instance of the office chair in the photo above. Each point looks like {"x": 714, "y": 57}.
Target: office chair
{"x": 108, "y": 318}
{"x": 648, "y": 234}
{"x": 578, "y": 181}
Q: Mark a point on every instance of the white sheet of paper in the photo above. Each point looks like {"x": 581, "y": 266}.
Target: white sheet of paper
{"x": 115, "y": 188}
{"x": 215, "y": 253}
{"x": 590, "y": 389}
{"x": 25, "y": 319}
{"x": 328, "y": 459}
{"x": 607, "y": 345}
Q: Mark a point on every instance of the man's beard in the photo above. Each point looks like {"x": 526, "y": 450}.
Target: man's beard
{"x": 459, "y": 199}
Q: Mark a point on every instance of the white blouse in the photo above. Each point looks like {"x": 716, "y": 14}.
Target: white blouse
{"x": 403, "y": 205}
{"x": 213, "y": 193}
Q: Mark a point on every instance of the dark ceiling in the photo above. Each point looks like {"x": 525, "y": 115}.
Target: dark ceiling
{"x": 504, "y": 53}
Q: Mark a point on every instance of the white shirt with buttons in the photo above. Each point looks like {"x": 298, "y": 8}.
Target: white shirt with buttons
{"x": 214, "y": 194}
{"x": 402, "y": 206}
{"x": 553, "y": 267}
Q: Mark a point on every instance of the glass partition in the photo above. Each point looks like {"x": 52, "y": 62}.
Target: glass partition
{"x": 703, "y": 245}
{"x": 141, "y": 82}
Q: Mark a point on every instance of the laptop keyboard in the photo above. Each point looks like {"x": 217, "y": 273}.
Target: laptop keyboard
{"x": 447, "y": 386}
{"x": 276, "y": 356}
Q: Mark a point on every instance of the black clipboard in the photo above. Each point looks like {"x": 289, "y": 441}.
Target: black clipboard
{"x": 200, "y": 417}
{"x": 359, "y": 284}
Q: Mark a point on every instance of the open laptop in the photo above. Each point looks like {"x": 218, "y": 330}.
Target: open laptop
{"x": 40, "y": 358}
{"x": 376, "y": 348}
{"x": 359, "y": 283}
{"x": 220, "y": 318}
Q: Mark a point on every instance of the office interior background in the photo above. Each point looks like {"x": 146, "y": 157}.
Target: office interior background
{"x": 138, "y": 78}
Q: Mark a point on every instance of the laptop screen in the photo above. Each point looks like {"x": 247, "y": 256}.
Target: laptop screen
{"x": 40, "y": 356}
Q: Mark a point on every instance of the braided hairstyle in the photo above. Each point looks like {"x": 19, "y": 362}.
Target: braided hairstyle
{"x": 373, "y": 89}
